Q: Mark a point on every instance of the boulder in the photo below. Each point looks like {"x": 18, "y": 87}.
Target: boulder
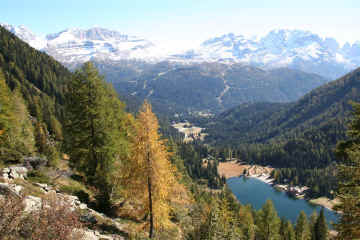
{"x": 44, "y": 187}
{"x": 8, "y": 188}
{"x": 5, "y": 173}
{"x": 18, "y": 172}
{"x": 32, "y": 203}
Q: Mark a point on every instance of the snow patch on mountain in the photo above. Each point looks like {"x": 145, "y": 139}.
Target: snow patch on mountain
{"x": 296, "y": 49}
{"x": 26, "y": 35}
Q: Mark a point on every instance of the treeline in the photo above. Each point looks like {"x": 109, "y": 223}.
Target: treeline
{"x": 200, "y": 164}
{"x": 321, "y": 181}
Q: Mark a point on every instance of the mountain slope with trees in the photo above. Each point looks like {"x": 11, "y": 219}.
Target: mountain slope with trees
{"x": 177, "y": 88}
{"x": 299, "y": 138}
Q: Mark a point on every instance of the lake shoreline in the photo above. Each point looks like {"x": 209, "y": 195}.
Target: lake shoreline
{"x": 235, "y": 168}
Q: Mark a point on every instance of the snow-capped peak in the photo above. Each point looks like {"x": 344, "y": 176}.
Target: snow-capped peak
{"x": 26, "y": 35}
{"x": 292, "y": 48}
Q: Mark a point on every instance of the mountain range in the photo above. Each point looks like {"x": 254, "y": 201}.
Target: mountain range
{"x": 296, "y": 49}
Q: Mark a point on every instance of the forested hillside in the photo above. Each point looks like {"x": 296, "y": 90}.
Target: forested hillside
{"x": 40, "y": 81}
{"x": 298, "y": 136}
{"x": 179, "y": 88}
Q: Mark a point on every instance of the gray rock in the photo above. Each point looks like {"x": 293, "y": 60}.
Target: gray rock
{"x": 17, "y": 172}
{"x": 9, "y": 188}
{"x": 32, "y": 203}
{"x": 83, "y": 206}
{"x": 5, "y": 173}
{"x": 44, "y": 186}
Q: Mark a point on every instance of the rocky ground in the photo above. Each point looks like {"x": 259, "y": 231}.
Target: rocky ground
{"x": 14, "y": 180}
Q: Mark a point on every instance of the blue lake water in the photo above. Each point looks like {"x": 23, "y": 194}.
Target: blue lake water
{"x": 255, "y": 192}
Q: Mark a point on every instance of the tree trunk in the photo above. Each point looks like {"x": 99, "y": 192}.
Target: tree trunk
{"x": 150, "y": 197}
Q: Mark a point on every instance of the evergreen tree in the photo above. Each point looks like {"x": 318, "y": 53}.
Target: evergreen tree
{"x": 289, "y": 233}
{"x": 268, "y": 222}
{"x": 6, "y": 106}
{"x": 302, "y": 228}
{"x": 247, "y": 224}
{"x": 16, "y": 130}
{"x": 313, "y": 218}
{"x": 321, "y": 228}
{"x": 349, "y": 181}
{"x": 95, "y": 138}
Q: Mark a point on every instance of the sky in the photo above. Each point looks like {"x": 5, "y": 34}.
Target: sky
{"x": 187, "y": 23}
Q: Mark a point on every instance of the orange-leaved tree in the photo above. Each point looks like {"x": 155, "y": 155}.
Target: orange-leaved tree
{"x": 151, "y": 176}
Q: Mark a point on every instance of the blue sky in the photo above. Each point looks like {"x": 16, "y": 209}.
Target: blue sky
{"x": 182, "y": 23}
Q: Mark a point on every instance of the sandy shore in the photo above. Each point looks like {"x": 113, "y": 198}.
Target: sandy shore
{"x": 235, "y": 169}
{"x": 325, "y": 202}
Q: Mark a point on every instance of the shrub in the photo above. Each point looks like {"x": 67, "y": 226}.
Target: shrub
{"x": 54, "y": 220}
{"x": 38, "y": 176}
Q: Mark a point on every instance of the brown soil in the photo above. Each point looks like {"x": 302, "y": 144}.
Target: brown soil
{"x": 235, "y": 169}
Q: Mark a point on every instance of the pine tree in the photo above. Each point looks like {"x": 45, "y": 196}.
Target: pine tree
{"x": 321, "y": 228}
{"x": 150, "y": 172}
{"x": 349, "y": 181}
{"x": 302, "y": 228}
{"x": 289, "y": 233}
{"x": 268, "y": 222}
{"x": 313, "y": 218}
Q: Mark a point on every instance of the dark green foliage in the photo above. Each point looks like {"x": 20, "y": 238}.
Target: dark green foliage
{"x": 95, "y": 131}
{"x": 302, "y": 228}
{"x": 193, "y": 155}
{"x": 322, "y": 181}
{"x": 349, "y": 180}
{"x": 176, "y": 88}
{"x": 38, "y": 176}
{"x": 300, "y": 135}
{"x": 268, "y": 222}
{"x": 321, "y": 228}
{"x": 41, "y": 80}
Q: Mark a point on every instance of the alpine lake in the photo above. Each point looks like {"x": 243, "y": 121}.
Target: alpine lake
{"x": 253, "y": 191}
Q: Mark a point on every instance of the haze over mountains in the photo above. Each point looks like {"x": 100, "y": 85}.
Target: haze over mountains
{"x": 296, "y": 49}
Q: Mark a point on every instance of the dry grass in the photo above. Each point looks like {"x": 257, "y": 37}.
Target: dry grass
{"x": 235, "y": 169}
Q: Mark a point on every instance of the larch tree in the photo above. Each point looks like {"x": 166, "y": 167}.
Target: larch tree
{"x": 150, "y": 175}
{"x": 95, "y": 138}
{"x": 348, "y": 152}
